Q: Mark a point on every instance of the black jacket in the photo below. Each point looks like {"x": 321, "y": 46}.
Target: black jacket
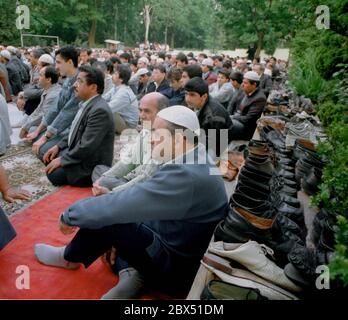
{"x": 214, "y": 116}
{"x": 177, "y": 98}
{"x": 250, "y": 110}
{"x": 14, "y": 78}
{"x": 266, "y": 84}
{"x": 163, "y": 88}
{"x": 237, "y": 98}
{"x": 92, "y": 143}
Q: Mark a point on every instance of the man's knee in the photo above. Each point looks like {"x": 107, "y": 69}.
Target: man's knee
{"x": 98, "y": 172}
{"x": 58, "y": 177}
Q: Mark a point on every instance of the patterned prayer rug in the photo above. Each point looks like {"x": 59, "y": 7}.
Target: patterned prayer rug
{"x": 25, "y": 170}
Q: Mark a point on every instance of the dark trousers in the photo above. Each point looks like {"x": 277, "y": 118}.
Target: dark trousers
{"x": 238, "y": 130}
{"x": 48, "y": 145}
{"x": 31, "y": 105}
{"x": 58, "y": 177}
{"x": 131, "y": 241}
{"x": 7, "y": 232}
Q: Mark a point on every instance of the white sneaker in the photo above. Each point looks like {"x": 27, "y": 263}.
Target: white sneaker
{"x": 252, "y": 255}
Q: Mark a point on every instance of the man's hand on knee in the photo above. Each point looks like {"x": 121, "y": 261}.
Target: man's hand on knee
{"x": 51, "y": 154}
{"x": 53, "y": 165}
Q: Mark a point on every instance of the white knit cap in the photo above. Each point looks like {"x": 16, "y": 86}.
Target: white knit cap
{"x": 208, "y": 62}
{"x": 6, "y": 54}
{"x": 46, "y": 58}
{"x": 12, "y": 49}
{"x": 143, "y": 71}
{"x": 182, "y": 116}
{"x": 144, "y": 60}
{"x": 252, "y": 75}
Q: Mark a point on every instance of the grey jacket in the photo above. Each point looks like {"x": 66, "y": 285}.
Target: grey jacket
{"x": 266, "y": 84}
{"x": 58, "y": 119}
{"x": 49, "y": 100}
{"x": 123, "y": 101}
{"x": 223, "y": 93}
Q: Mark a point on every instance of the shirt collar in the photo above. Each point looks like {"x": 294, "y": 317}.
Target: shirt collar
{"x": 85, "y": 103}
{"x": 251, "y": 93}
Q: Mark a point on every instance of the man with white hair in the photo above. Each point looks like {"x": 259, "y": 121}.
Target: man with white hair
{"x": 250, "y": 109}
{"x": 22, "y": 68}
{"x": 143, "y": 64}
{"x": 160, "y": 227}
{"x": 14, "y": 75}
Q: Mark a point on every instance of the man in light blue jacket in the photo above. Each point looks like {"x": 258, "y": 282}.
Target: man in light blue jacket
{"x": 160, "y": 227}
{"x": 55, "y": 125}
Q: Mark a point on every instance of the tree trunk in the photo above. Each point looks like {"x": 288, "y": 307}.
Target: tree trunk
{"x": 260, "y": 38}
{"x": 92, "y": 33}
{"x": 116, "y": 19}
{"x": 147, "y": 22}
{"x": 166, "y": 36}
{"x": 172, "y": 40}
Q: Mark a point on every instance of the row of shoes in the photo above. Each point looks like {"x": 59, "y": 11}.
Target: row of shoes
{"x": 287, "y": 102}
{"x": 264, "y": 206}
{"x": 309, "y": 166}
{"x": 302, "y": 260}
{"x": 266, "y": 217}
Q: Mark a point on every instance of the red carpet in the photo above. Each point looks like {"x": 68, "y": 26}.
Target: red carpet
{"x": 39, "y": 224}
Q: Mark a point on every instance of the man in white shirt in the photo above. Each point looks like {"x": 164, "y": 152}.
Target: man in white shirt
{"x": 133, "y": 156}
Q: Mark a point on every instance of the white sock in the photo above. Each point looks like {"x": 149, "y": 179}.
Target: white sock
{"x": 129, "y": 286}
{"x": 53, "y": 256}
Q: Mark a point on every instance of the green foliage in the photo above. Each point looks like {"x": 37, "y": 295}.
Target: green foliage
{"x": 305, "y": 78}
{"x": 265, "y": 23}
{"x": 333, "y": 193}
{"x": 319, "y": 55}
{"x": 182, "y": 23}
{"x": 8, "y": 32}
{"x": 328, "y": 48}
{"x": 339, "y": 266}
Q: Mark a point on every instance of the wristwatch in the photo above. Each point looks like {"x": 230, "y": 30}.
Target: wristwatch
{"x": 46, "y": 136}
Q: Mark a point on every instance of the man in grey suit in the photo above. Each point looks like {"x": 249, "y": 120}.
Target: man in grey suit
{"x": 91, "y": 138}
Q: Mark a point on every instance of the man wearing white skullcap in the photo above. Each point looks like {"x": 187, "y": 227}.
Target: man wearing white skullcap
{"x": 250, "y": 109}
{"x": 46, "y": 59}
{"x": 160, "y": 228}
{"x": 14, "y": 76}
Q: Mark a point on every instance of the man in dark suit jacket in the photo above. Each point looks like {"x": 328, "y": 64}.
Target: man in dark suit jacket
{"x": 266, "y": 83}
{"x": 91, "y": 137}
{"x": 250, "y": 109}
{"x": 236, "y": 78}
